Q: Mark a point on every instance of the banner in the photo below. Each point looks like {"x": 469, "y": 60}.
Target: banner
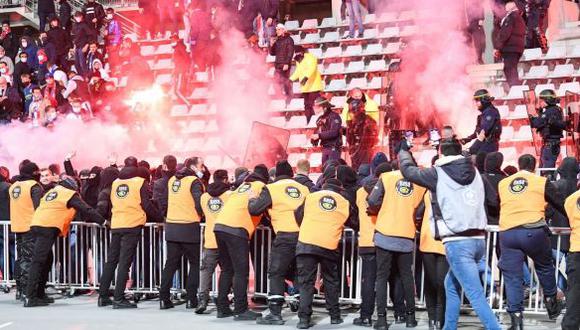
{"x": 267, "y": 145}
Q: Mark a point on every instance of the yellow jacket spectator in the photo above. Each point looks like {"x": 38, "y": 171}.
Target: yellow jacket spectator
{"x": 356, "y": 96}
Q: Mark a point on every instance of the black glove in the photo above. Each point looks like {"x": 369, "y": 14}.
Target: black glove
{"x": 303, "y": 81}
{"x": 463, "y": 141}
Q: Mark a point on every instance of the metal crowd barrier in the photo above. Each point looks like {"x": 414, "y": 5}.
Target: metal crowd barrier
{"x": 80, "y": 258}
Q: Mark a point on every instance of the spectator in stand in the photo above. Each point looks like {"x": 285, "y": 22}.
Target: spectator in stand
{"x": 537, "y": 22}
{"x": 147, "y": 9}
{"x": 474, "y": 28}
{"x": 76, "y": 86}
{"x": 4, "y": 72}
{"x": 36, "y": 111}
{"x": 83, "y": 35}
{"x": 42, "y": 66}
{"x": 49, "y": 47}
{"x": 168, "y": 19}
{"x": 93, "y": 54}
{"x": 61, "y": 40}
{"x": 99, "y": 69}
{"x": 26, "y": 91}
{"x": 112, "y": 34}
{"x": 53, "y": 91}
{"x": 4, "y": 58}
{"x": 10, "y": 102}
{"x": 199, "y": 34}
{"x": 181, "y": 61}
{"x": 354, "y": 14}
{"x": 509, "y": 41}
{"x": 21, "y": 68}
{"x": 94, "y": 14}
{"x": 7, "y": 40}
{"x": 309, "y": 77}
{"x": 79, "y": 109}
{"x": 127, "y": 52}
{"x": 64, "y": 14}
{"x": 28, "y": 46}
{"x": 46, "y": 11}
{"x": 283, "y": 49}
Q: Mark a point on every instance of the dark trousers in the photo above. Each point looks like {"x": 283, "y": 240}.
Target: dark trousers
{"x": 284, "y": 81}
{"x": 175, "y": 251}
{"x": 81, "y": 62}
{"x": 369, "y": 276}
{"x": 307, "y": 265}
{"x": 385, "y": 261}
{"x": 282, "y": 261}
{"x": 121, "y": 253}
{"x": 517, "y": 244}
{"x": 41, "y": 261}
{"x": 510, "y": 67}
{"x": 549, "y": 154}
{"x": 208, "y": 265}
{"x": 235, "y": 271}
{"x": 43, "y": 17}
{"x": 436, "y": 268}
{"x": 396, "y": 292}
{"x": 24, "y": 249}
{"x": 571, "y": 320}
{"x": 259, "y": 252}
{"x": 330, "y": 154}
{"x": 309, "y": 99}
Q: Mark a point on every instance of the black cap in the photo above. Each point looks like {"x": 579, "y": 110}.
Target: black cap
{"x": 283, "y": 168}
{"x": 131, "y": 161}
{"x": 29, "y": 169}
{"x": 450, "y": 147}
{"x": 220, "y": 175}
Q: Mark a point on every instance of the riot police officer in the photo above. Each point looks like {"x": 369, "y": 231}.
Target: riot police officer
{"x": 550, "y": 124}
{"x": 536, "y": 21}
{"x": 328, "y": 130}
{"x": 488, "y": 121}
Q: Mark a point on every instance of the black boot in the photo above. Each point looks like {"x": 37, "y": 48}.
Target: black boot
{"x": 363, "y": 321}
{"x": 275, "y": 316}
{"x": 224, "y": 312}
{"x": 411, "y": 321}
{"x": 19, "y": 294}
{"x": 104, "y": 301}
{"x": 165, "y": 304}
{"x": 46, "y": 299}
{"x": 304, "y": 323}
{"x": 248, "y": 315}
{"x": 553, "y": 306}
{"x": 517, "y": 321}
{"x": 201, "y": 307}
{"x": 381, "y": 323}
{"x": 34, "y": 302}
{"x": 399, "y": 319}
{"x": 337, "y": 319}
{"x": 191, "y": 304}
{"x": 123, "y": 304}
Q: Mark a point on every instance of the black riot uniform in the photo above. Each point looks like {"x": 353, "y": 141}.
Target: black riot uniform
{"x": 329, "y": 130}
{"x": 489, "y": 121}
{"x": 550, "y": 125}
{"x": 536, "y": 22}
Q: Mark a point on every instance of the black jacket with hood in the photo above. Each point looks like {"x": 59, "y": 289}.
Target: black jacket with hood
{"x": 304, "y": 180}
{"x": 492, "y": 175}
{"x": 348, "y": 177}
{"x": 4, "y": 200}
{"x": 90, "y": 190}
{"x": 566, "y": 185}
{"x": 83, "y": 209}
{"x": 108, "y": 175}
{"x": 186, "y": 232}
{"x": 160, "y": 191}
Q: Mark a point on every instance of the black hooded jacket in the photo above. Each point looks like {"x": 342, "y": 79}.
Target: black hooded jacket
{"x": 108, "y": 175}
{"x": 188, "y": 232}
{"x": 160, "y": 191}
{"x": 304, "y": 180}
{"x": 83, "y": 209}
{"x": 492, "y": 175}
{"x": 566, "y": 185}
{"x": 4, "y": 200}
{"x": 348, "y": 177}
{"x": 90, "y": 190}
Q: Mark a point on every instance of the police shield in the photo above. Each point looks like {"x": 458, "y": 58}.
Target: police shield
{"x": 532, "y": 105}
{"x": 267, "y": 145}
{"x": 571, "y": 107}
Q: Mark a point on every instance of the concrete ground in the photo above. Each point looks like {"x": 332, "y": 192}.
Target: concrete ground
{"x": 82, "y": 313}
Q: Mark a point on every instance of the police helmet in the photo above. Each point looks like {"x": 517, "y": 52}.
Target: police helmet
{"x": 483, "y": 96}
{"x": 549, "y": 96}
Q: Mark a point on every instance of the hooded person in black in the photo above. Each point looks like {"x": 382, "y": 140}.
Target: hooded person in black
{"x": 328, "y": 172}
{"x": 240, "y": 174}
{"x": 90, "y": 189}
{"x": 169, "y": 168}
{"x": 492, "y": 175}
{"x": 108, "y": 175}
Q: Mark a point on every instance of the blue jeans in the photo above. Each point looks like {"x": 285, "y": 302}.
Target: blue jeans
{"x": 353, "y": 8}
{"x": 516, "y": 244}
{"x": 80, "y": 62}
{"x": 463, "y": 257}
{"x": 562, "y": 283}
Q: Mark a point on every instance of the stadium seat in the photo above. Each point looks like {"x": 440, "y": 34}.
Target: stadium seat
{"x": 202, "y": 77}
{"x": 311, "y": 38}
{"x": 298, "y": 141}
{"x": 277, "y": 121}
{"x": 358, "y": 83}
{"x": 575, "y": 53}
{"x": 353, "y": 50}
{"x": 509, "y": 153}
{"x": 296, "y": 122}
{"x": 520, "y": 112}
{"x": 355, "y": 66}
{"x": 330, "y": 36}
{"x": 388, "y": 17}
{"x": 516, "y": 92}
{"x": 200, "y": 93}
{"x": 391, "y": 32}
{"x": 562, "y": 71}
{"x": 164, "y": 64}
{"x": 336, "y": 85}
{"x": 540, "y": 87}
{"x": 292, "y": 25}
{"x": 196, "y": 126}
{"x": 333, "y": 52}
{"x": 296, "y": 38}
{"x": 375, "y": 83}
{"x": 507, "y": 133}
{"x": 310, "y": 24}
{"x": 164, "y": 49}
{"x": 370, "y": 34}
{"x": 277, "y": 105}
{"x": 392, "y": 48}
{"x": 296, "y": 88}
{"x": 573, "y": 87}
{"x": 556, "y": 52}
{"x": 327, "y": 22}
{"x": 335, "y": 68}
{"x": 296, "y": 104}
{"x": 179, "y": 110}
{"x": 198, "y": 109}
{"x": 409, "y": 30}
{"x": 312, "y": 123}
{"x": 523, "y": 134}
{"x": 369, "y": 18}
{"x": 373, "y": 49}
{"x": 270, "y": 58}
{"x": 316, "y": 52}
{"x": 531, "y": 54}
{"x": 315, "y": 159}
{"x": 293, "y": 158}
{"x": 504, "y": 111}
{"x": 163, "y": 79}
{"x": 537, "y": 72}
{"x": 147, "y": 50}
{"x": 338, "y": 101}
{"x": 376, "y": 65}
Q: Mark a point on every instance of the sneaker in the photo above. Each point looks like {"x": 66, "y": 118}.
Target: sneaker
{"x": 165, "y": 304}
{"x": 104, "y": 301}
{"x": 223, "y": 313}
{"x": 336, "y": 320}
{"x": 363, "y": 321}
{"x": 46, "y": 299}
{"x": 381, "y": 323}
{"x": 553, "y": 307}
{"x": 304, "y": 323}
{"x": 123, "y": 304}
{"x": 201, "y": 307}
{"x": 248, "y": 315}
{"x": 34, "y": 302}
{"x": 270, "y": 319}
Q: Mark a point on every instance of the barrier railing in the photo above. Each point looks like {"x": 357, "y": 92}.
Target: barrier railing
{"x": 80, "y": 258}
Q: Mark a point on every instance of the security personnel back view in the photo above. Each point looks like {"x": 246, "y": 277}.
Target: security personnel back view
{"x": 52, "y": 218}
{"x": 233, "y": 230}
{"x": 131, "y": 206}
{"x": 524, "y": 233}
{"x": 551, "y": 125}
{"x": 489, "y": 121}
{"x": 182, "y": 233}
{"x": 322, "y": 218}
{"x": 212, "y": 204}
{"x": 25, "y": 195}
{"x": 280, "y": 199}
{"x": 395, "y": 199}
{"x": 571, "y": 319}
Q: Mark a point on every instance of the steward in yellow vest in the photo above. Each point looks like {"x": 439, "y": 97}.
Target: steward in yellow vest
{"x": 280, "y": 199}
{"x": 366, "y": 248}
{"x": 25, "y": 195}
{"x": 131, "y": 206}
{"x": 395, "y": 200}
{"x": 572, "y": 317}
{"x": 234, "y": 227}
{"x": 524, "y": 233}
{"x": 322, "y": 219}
{"x": 52, "y": 218}
{"x": 182, "y": 233}
{"x": 212, "y": 204}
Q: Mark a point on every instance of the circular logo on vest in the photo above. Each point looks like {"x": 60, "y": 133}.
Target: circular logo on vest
{"x": 518, "y": 185}
{"x": 244, "y": 187}
{"x": 16, "y": 192}
{"x": 51, "y": 196}
{"x": 215, "y": 204}
{"x": 404, "y": 187}
{"x": 122, "y": 191}
{"x": 176, "y": 185}
{"x": 327, "y": 203}
{"x": 293, "y": 192}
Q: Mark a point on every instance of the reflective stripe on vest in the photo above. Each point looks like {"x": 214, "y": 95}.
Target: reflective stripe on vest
{"x": 212, "y": 206}
{"x": 180, "y": 203}
{"x": 21, "y": 206}
{"x": 53, "y": 211}
{"x": 522, "y": 200}
{"x": 325, "y": 213}
{"x": 287, "y": 195}
{"x": 126, "y": 201}
{"x": 397, "y": 214}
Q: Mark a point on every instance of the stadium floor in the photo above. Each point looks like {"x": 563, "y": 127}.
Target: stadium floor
{"x": 81, "y": 313}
